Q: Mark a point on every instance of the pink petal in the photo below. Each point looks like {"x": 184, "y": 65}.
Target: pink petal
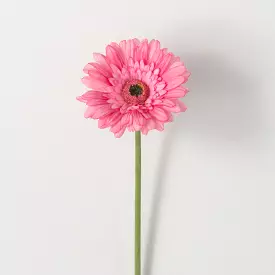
{"x": 116, "y": 127}
{"x": 176, "y": 93}
{"x": 122, "y": 45}
{"x": 90, "y": 70}
{"x": 119, "y": 52}
{"x": 140, "y": 119}
{"x": 162, "y": 92}
{"x": 113, "y": 118}
{"x": 171, "y": 118}
{"x": 130, "y": 49}
{"x": 182, "y": 106}
{"x": 144, "y": 130}
{"x": 101, "y": 69}
{"x": 160, "y": 86}
{"x": 125, "y": 119}
{"x": 101, "y": 59}
{"x": 94, "y": 83}
{"x": 174, "y": 59}
{"x": 171, "y": 73}
{"x": 159, "y": 125}
{"x": 159, "y": 114}
{"x": 116, "y": 71}
{"x": 103, "y": 121}
{"x": 121, "y": 132}
{"x": 96, "y": 112}
{"x": 144, "y": 112}
{"x": 174, "y": 109}
{"x": 141, "y": 52}
{"x": 136, "y": 121}
{"x": 94, "y": 102}
{"x": 136, "y": 42}
{"x": 176, "y": 64}
{"x": 151, "y": 124}
{"x": 144, "y": 51}
{"x": 154, "y": 50}
{"x": 174, "y": 82}
{"x": 169, "y": 105}
{"x": 109, "y": 119}
{"x": 113, "y": 56}
{"x": 91, "y": 95}
{"x": 87, "y": 68}
{"x": 156, "y": 72}
{"x": 158, "y": 58}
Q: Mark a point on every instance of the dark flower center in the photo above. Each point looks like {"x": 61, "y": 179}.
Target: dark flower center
{"x": 135, "y": 90}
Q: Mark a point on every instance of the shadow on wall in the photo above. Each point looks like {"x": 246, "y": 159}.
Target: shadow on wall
{"x": 223, "y": 107}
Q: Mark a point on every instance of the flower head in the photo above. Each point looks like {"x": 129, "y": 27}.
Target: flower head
{"x": 135, "y": 86}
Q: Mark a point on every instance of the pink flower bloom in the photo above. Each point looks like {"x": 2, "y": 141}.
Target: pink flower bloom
{"x": 136, "y": 86}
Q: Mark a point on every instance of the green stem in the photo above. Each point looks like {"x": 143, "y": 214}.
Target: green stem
{"x": 138, "y": 203}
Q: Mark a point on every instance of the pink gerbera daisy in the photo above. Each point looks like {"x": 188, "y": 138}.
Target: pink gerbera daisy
{"x": 136, "y": 86}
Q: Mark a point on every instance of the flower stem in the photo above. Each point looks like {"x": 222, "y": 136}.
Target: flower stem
{"x": 137, "y": 202}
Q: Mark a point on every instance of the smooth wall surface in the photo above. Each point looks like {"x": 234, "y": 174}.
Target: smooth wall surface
{"x": 67, "y": 188}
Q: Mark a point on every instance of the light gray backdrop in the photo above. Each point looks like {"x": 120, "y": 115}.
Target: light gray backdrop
{"x": 66, "y": 187}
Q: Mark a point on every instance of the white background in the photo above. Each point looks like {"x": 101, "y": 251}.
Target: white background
{"x": 67, "y": 188}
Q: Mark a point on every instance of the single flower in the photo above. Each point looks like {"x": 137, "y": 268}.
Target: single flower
{"x": 135, "y": 86}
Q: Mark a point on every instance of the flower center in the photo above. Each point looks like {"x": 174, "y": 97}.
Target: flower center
{"x": 135, "y": 92}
